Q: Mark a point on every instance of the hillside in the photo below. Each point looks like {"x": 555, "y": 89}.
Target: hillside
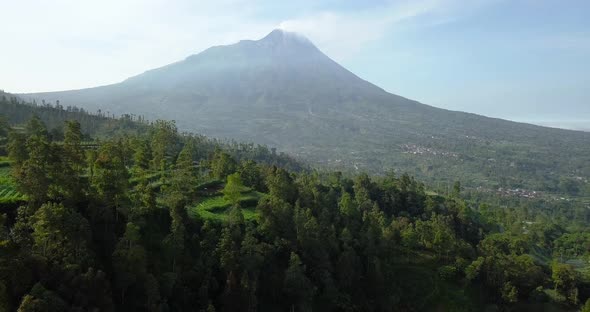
{"x": 157, "y": 220}
{"x": 17, "y": 112}
{"x": 284, "y": 92}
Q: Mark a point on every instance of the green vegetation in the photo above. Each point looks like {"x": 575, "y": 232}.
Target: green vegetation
{"x": 217, "y": 207}
{"x": 161, "y": 221}
{"x": 106, "y": 125}
{"x": 8, "y": 192}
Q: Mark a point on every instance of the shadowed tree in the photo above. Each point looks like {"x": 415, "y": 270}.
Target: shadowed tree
{"x": 110, "y": 178}
{"x": 33, "y": 177}
{"x": 164, "y": 143}
{"x": 60, "y": 235}
{"x": 297, "y": 286}
{"x": 222, "y": 165}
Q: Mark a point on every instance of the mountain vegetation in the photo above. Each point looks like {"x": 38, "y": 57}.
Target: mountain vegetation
{"x": 104, "y": 125}
{"x": 120, "y": 214}
{"x": 283, "y": 92}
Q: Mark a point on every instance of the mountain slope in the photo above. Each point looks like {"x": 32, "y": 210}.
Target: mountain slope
{"x": 284, "y": 92}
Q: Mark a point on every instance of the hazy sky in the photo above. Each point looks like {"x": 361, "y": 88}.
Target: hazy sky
{"x": 517, "y": 59}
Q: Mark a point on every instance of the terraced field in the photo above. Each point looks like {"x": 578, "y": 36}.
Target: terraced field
{"x": 213, "y": 206}
{"x": 8, "y": 192}
{"x": 10, "y": 195}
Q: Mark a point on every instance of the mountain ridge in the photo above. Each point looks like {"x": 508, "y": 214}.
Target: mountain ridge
{"x": 283, "y": 91}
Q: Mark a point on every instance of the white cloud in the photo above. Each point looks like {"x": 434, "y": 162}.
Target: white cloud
{"x": 343, "y": 34}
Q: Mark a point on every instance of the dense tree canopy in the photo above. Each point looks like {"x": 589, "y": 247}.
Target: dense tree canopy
{"x": 163, "y": 221}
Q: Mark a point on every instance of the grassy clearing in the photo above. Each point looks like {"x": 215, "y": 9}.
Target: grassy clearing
{"x": 216, "y": 208}
{"x": 8, "y": 192}
{"x": 5, "y": 178}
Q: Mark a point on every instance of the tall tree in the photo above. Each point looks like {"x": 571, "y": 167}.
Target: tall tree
{"x": 297, "y": 286}
{"x": 233, "y": 189}
{"x": 251, "y": 175}
{"x": 141, "y": 156}
{"x": 164, "y": 143}
{"x": 110, "y": 177}
{"x": 252, "y": 259}
{"x": 183, "y": 180}
{"x": 281, "y": 185}
{"x": 17, "y": 150}
{"x": 222, "y": 165}
{"x": 70, "y": 178}
{"x": 61, "y": 235}
{"x": 177, "y": 236}
{"x": 74, "y": 153}
{"x": 228, "y": 250}
{"x": 566, "y": 279}
{"x": 34, "y": 176}
{"x": 129, "y": 263}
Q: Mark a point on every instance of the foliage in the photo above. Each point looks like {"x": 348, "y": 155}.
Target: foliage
{"x": 129, "y": 225}
{"x": 233, "y": 189}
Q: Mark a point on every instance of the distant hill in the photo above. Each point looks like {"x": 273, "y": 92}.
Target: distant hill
{"x": 284, "y": 92}
{"x": 566, "y": 124}
{"x": 17, "y": 112}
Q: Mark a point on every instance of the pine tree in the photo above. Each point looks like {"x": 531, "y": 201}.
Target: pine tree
{"x": 74, "y": 153}
{"x": 222, "y": 165}
{"x": 110, "y": 178}
{"x": 163, "y": 144}
{"x": 233, "y": 189}
{"x": 17, "y": 151}
{"x": 176, "y": 239}
{"x": 183, "y": 181}
{"x": 60, "y": 235}
{"x": 34, "y": 175}
{"x": 129, "y": 261}
{"x": 73, "y": 164}
{"x": 141, "y": 157}
{"x": 297, "y": 286}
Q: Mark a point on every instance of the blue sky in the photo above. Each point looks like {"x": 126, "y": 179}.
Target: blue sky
{"x": 516, "y": 59}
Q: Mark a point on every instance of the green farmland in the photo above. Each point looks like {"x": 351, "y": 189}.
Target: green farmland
{"x": 213, "y": 205}
{"x": 8, "y": 192}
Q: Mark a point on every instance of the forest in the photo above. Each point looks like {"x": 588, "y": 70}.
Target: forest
{"x": 112, "y": 213}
